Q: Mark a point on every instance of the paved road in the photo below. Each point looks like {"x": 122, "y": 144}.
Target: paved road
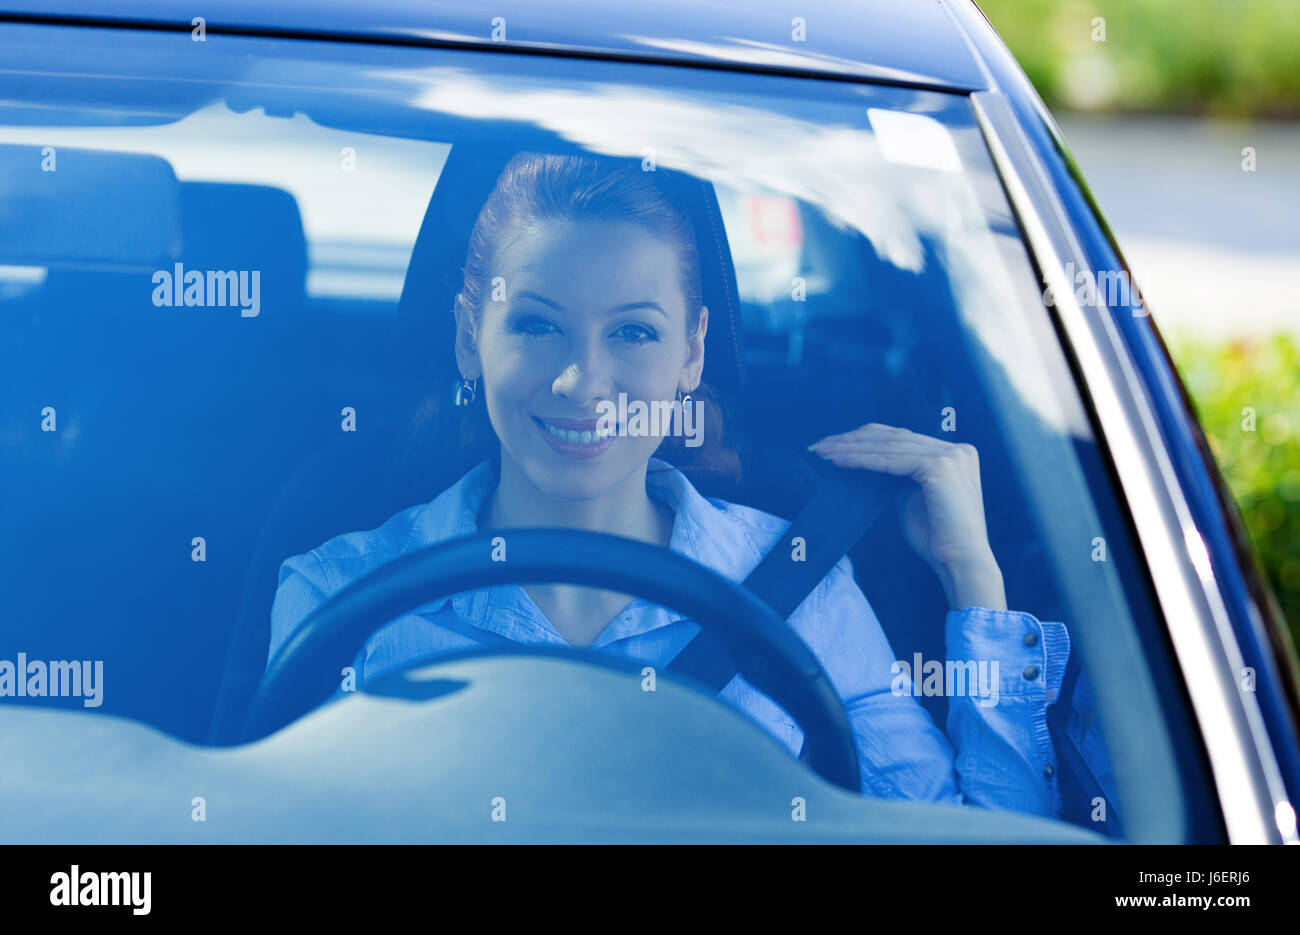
{"x": 1215, "y": 249}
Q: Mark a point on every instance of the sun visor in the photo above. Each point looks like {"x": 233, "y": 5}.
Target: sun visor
{"x": 87, "y": 209}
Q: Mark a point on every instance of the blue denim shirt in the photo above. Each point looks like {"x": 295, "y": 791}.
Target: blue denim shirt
{"x": 997, "y": 755}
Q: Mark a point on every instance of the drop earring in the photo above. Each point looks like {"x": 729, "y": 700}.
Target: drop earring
{"x": 466, "y": 392}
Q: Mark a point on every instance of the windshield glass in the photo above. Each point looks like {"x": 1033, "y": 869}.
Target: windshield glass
{"x": 280, "y": 314}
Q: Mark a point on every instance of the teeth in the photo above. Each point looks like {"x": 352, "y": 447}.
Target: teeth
{"x": 577, "y": 438}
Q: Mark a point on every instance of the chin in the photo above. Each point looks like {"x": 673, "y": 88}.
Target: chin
{"x": 561, "y": 479}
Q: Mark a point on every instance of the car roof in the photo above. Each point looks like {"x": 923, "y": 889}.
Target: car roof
{"x": 913, "y": 42}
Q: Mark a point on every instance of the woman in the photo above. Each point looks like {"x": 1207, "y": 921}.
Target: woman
{"x": 582, "y": 284}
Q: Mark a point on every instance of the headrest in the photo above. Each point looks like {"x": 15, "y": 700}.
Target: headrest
{"x": 247, "y": 227}
{"x": 83, "y": 209}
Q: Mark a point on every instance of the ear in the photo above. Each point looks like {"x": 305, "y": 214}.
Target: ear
{"x": 693, "y": 370}
{"x": 466, "y": 341}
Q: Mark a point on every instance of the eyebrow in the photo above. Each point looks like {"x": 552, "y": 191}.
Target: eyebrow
{"x": 626, "y": 307}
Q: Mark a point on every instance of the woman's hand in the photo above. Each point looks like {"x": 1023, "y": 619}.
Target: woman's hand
{"x": 943, "y": 521}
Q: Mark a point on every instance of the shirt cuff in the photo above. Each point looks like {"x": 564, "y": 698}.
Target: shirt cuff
{"x": 1030, "y": 654}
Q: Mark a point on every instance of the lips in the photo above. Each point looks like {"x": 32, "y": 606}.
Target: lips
{"x": 574, "y": 438}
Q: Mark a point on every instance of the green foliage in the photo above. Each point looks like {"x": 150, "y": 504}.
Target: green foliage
{"x": 1228, "y": 383}
{"x": 1231, "y": 58}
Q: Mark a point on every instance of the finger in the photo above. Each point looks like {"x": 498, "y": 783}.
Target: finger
{"x": 903, "y": 465}
{"x": 888, "y": 446}
{"x": 878, "y": 432}
{"x": 871, "y": 428}
{"x": 945, "y": 461}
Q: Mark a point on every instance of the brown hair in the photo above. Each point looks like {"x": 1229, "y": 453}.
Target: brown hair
{"x": 536, "y": 188}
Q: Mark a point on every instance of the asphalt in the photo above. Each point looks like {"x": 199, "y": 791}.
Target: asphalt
{"x": 1214, "y": 248}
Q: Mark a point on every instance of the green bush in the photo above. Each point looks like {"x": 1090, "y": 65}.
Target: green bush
{"x": 1247, "y": 394}
{"x": 1232, "y": 58}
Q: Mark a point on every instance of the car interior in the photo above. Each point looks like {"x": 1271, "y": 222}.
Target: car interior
{"x": 180, "y": 427}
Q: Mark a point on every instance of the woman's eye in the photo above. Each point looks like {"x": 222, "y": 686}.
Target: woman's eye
{"x": 637, "y": 334}
{"x": 532, "y": 324}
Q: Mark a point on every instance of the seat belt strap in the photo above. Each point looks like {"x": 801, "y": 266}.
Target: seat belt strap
{"x": 834, "y": 519}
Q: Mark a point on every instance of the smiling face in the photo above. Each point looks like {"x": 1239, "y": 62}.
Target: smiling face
{"x": 592, "y": 309}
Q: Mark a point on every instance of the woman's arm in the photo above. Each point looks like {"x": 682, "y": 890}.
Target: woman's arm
{"x": 997, "y": 750}
{"x": 1004, "y": 754}
{"x": 305, "y": 584}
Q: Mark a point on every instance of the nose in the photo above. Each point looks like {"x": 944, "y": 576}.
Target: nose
{"x": 586, "y": 379}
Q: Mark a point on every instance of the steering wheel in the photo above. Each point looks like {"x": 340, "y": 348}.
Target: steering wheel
{"x": 766, "y": 651}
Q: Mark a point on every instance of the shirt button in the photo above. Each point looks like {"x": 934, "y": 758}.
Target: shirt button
{"x": 1048, "y": 771}
{"x": 1031, "y": 672}
{"x": 1031, "y": 639}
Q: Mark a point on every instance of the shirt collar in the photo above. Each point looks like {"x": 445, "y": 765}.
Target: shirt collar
{"x": 702, "y": 531}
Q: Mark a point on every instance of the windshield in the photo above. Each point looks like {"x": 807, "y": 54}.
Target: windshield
{"x": 279, "y": 314}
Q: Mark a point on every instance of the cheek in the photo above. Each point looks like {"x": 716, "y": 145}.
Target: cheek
{"x": 657, "y": 380}
{"x": 654, "y": 371}
{"x": 512, "y": 368}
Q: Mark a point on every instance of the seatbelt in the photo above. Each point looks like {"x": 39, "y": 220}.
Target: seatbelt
{"x": 834, "y": 519}
{"x": 1079, "y": 785}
